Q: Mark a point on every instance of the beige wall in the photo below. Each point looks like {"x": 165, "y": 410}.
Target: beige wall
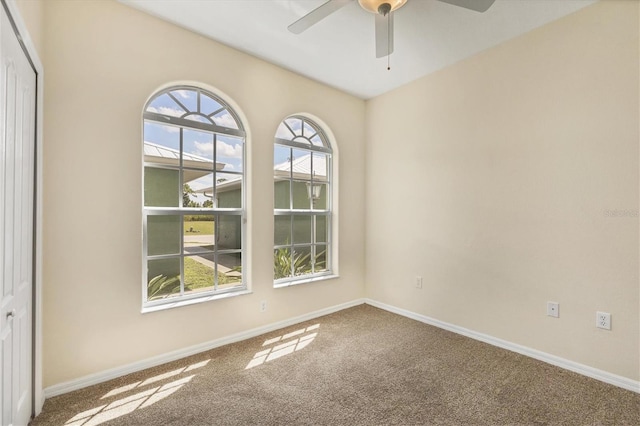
{"x": 103, "y": 60}
{"x": 492, "y": 179}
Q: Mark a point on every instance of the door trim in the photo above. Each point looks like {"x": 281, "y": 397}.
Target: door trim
{"x": 20, "y": 27}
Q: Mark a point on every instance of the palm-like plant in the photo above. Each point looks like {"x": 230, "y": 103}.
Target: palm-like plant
{"x": 162, "y": 286}
{"x": 284, "y": 264}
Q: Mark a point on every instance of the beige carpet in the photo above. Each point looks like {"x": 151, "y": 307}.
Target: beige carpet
{"x": 360, "y": 366}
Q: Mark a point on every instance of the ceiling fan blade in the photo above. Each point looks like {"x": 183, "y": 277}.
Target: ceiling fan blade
{"x": 384, "y": 35}
{"x": 316, "y": 15}
{"x": 477, "y": 5}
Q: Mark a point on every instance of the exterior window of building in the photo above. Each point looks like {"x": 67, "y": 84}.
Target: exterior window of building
{"x": 193, "y": 197}
{"x": 302, "y": 202}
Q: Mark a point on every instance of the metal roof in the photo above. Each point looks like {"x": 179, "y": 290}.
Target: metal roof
{"x": 158, "y": 154}
{"x": 302, "y": 167}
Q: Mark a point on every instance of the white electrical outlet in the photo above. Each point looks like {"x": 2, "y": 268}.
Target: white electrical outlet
{"x": 603, "y": 320}
{"x": 263, "y": 306}
{"x": 553, "y": 309}
{"x": 418, "y": 281}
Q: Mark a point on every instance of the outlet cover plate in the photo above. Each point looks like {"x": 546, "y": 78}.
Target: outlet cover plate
{"x": 603, "y": 320}
{"x": 553, "y": 309}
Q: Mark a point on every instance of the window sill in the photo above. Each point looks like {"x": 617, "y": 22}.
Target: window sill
{"x": 304, "y": 281}
{"x": 193, "y": 301}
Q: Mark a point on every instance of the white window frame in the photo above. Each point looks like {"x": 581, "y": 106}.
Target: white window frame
{"x": 207, "y": 124}
{"x": 302, "y": 142}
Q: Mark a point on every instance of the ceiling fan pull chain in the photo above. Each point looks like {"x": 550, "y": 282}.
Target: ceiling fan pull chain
{"x": 388, "y": 42}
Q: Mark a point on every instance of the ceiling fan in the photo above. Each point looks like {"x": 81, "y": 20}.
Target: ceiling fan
{"x": 384, "y": 10}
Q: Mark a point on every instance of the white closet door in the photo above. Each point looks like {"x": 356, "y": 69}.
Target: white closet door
{"x": 17, "y": 133}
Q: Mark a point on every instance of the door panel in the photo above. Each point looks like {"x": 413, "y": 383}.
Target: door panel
{"x": 17, "y": 133}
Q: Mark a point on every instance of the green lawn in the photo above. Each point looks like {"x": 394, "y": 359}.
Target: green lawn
{"x": 198, "y": 227}
{"x": 197, "y": 275}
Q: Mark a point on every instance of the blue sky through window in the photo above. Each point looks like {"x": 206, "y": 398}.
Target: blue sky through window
{"x": 197, "y": 144}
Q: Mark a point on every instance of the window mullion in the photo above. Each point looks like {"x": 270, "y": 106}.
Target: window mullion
{"x": 207, "y": 127}
{"x": 183, "y": 278}
{"x": 313, "y": 244}
{"x": 180, "y": 171}
{"x": 290, "y": 129}
{"x": 181, "y": 204}
{"x": 292, "y": 143}
{"x": 215, "y": 171}
{"x": 186, "y": 110}
{"x": 216, "y": 228}
{"x": 311, "y": 175}
{"x": 218, "y": 111}
{"x": 329, "y": 165}
{"x": 291, "y": 246}
{"x": 290, "y": 178}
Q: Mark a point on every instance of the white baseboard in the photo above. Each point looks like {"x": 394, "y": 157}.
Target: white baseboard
{"x": 585, "y": 370}
{"x": 113, "y": 373}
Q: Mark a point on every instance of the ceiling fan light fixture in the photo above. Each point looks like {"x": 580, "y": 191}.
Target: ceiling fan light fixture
{"x": 373, "y": 6}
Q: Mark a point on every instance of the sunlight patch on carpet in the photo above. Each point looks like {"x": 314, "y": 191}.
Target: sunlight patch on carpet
{"x": 141, "y": 399}
{"x": 284, "y": 348}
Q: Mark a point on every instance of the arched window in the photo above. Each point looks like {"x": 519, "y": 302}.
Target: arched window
{"x": 193, "y": 218}
{"x": 302, "y": 201}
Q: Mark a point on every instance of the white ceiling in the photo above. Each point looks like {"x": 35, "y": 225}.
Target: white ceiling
{"x": 340, "y": 50}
